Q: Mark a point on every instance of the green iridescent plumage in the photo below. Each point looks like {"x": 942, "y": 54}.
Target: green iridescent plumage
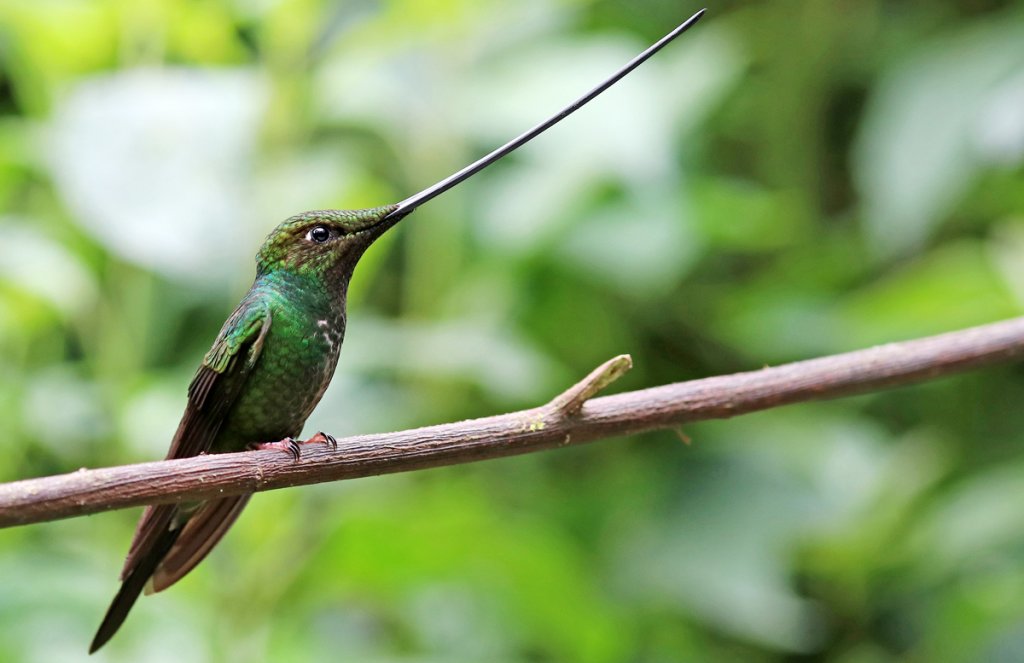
{"x": 266, "y": 371}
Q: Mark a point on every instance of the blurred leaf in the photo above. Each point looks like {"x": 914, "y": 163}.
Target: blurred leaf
{"x": 914, "y": 158}
{"x": 152, "y": 163}
{"x": 952, "y": 287}
{"x": 36, "y": 264}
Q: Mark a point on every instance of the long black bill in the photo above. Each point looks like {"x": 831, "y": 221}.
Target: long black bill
{"x": 412, "y": 202}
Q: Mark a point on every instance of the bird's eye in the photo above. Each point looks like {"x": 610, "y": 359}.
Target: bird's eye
{"x": 318, "y": 234}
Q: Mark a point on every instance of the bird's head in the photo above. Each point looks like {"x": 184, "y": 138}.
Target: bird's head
{"x": 323, "y": 242}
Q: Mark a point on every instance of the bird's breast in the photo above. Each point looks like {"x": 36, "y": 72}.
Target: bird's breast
{"x": 290, "y": 377}
{"x": 330, "y": 334}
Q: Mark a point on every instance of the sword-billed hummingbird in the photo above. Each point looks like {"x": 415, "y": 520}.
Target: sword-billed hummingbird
{"x": 273, "y": 360}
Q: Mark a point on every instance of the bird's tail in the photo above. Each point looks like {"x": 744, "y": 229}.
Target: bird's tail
{"x": 132, "y": 586}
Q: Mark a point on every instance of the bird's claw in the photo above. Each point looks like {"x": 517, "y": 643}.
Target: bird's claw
{"x": 287, "y": 444}
{"x": 291, "y": 445}
{"x": 325, "y": 438}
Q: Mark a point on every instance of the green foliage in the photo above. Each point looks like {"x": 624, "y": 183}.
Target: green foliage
{"x": 792, "y": 178}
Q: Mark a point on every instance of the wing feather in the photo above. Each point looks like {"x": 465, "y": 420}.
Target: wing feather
{"x": 212, "y": 392}
{"x": 164, "y": 528}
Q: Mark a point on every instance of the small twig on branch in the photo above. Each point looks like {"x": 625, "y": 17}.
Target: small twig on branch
{"x": 571, "y": 401}
{"x": 571, "y": 418}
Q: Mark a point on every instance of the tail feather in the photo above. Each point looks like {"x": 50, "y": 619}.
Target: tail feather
{"x": 131, "y": 587}
{"x": 154, "y": 522}
{"x": 164, "y": 552}
{"x": 200, "y": 534}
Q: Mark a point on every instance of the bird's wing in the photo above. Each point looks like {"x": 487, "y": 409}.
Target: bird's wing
{"x": 211, "y": 394}
{"x": 220, "y": 377}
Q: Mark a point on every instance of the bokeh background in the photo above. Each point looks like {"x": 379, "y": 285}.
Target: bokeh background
{"x": 790, "y": 179}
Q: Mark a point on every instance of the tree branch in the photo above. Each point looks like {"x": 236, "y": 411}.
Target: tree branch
{"x": 570, "y": 418}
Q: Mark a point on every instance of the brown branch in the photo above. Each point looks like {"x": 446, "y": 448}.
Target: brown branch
{"x": 570, "y": 418}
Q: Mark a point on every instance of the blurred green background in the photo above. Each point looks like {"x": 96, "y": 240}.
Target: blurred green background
{"x": 790, "y": 179}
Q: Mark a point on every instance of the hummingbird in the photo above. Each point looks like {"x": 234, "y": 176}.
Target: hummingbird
{"x": 273, "y": 360}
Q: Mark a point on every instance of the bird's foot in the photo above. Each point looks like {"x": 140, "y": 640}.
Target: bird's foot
{"x": 291, "y": 445}
{"x": 287, "y": 444}
{"x": 324, "y": 438}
